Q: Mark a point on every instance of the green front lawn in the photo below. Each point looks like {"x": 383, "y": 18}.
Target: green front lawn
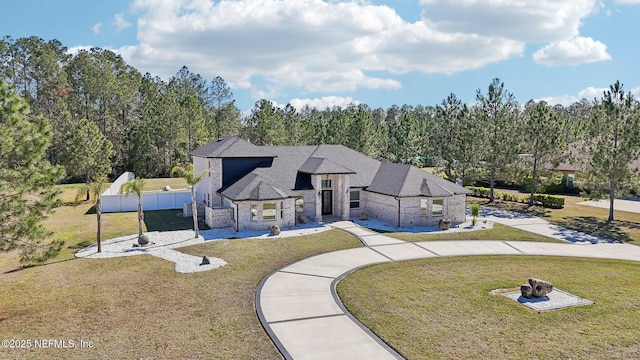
{"x": 592, "y": 220}
{"x": 139, "y": 307}
{"x": 442, "y": 308}
{"x": 498, "y": 232}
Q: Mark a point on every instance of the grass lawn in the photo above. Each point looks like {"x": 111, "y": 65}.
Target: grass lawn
{"x": 441, "y": 308}
{"x": 139, "y": 307}
{"x": 498, "y": 232}
{"x": 588, "y": 219}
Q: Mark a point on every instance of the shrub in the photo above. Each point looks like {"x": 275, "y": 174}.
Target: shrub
{"x": 544, "y": 200}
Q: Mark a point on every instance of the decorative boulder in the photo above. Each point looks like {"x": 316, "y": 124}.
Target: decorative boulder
{"x": 167, "y": 188}
{"x": 534, "y": 288}
{"x": 363, "y": 216}
{"x": 205, "y": 261}
{"x": 444, "y": 224}
{"x": 275, "y": 230}
{"x": 143, "y": 240}
{"x": 302, "y": 219}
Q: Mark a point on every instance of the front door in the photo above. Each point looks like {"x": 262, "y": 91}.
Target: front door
{"x": 327, "y": 202}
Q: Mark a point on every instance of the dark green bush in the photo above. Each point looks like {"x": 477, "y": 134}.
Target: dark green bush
{"x": 544, "y": 200}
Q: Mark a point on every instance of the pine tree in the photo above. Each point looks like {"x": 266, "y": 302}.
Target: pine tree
{"x": 27, "y": 194}
{"x": 613, "y": 142}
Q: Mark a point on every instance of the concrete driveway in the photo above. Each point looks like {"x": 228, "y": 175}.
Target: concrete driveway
{"x": 619, "y": 204}
{"x": 299, "y": 308}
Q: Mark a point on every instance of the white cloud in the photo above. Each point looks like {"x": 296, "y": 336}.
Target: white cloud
{"x": 314, "y": 45}
{"x": 120, "y": 22}
{"x": 590, "y": 93}
{"x": 323, "y": 102}
{"x": 76, "y": 49}
{"x": 96, "y": 28}
{"x": 576, "y": 51}
{"x": 628, "y": 2}
{"x": 273, "y": 47}
{"x": 523, "y": 20}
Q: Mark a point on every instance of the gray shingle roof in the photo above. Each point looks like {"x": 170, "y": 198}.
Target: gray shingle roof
{"x": 279, "y": 180}
{"x": 407, "y": 181}
{"x": 317, "y": 166}
{"x": 255, "y": 187}
{"x": 230, "y": 147}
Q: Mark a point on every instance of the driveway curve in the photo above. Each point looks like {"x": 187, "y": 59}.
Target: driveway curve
{"x": 302, "y": 314}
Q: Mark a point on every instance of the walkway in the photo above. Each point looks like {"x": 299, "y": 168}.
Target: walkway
{"x": 619, "y": 205}
{"x": 300, "y": 310}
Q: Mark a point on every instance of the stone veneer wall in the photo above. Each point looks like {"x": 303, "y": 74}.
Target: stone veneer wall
{"x": 200, "y": 208}
{"x": 244, "y": 215}
{"x": 457, "y": 208}
{"x": 453, "y": 208}
{"x": 381, "y": 207}
{"x": 219, "y": 217}
{"x": 385, "y": 208}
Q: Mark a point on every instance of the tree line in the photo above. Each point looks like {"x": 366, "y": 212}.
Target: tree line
{"x": 106, "y": 118}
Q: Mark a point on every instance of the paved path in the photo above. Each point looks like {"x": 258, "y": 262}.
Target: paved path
{"x": 300, "y": 310}
{"x": 618, "y": 204}
{"x": 539, "y": 226}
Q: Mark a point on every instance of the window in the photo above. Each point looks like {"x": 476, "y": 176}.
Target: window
{"x": 570, "y": 179}
{"x": 423, "y": 207}
{"x": 438, "y": 207}
{"x": 268, "y": 211}
{"x": 354, "y": 199}
{"x": 208, "y": 200}
{"x": 254, "y": 212}
{"x": 281, "y": 210}
{"x": 326, "y": 184}
{"x": 299, "y": 205}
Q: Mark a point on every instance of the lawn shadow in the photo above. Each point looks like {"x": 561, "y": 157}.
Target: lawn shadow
{"x": 170, "y": 220}
{"x": 513, "y": 206}
{"x": 29, "y": 266}
{"x": 598, "y": 227}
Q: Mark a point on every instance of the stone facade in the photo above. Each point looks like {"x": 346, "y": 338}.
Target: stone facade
{"x": 250, "y": 218}
{"x": 340, "y": 196}
{"x": 200, "y": 208}
{"x": 219, "y": 217}
{"x": 385, "y": 208}
{"x": 381, "y": 207}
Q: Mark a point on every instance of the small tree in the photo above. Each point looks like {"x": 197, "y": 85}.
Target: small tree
{"x": 475, "y": 212}
{"x": 136, "y": 186}
{"x": 95, "y": 189}
{"x": 192, "y": 179}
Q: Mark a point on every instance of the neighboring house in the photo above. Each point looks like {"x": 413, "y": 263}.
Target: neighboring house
{"x": 255, "y": 187}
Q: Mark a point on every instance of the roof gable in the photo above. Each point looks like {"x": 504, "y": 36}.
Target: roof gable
{"x": 256, "y": 187}
{"x": 408, "y": 181}
{"x": 315, "y": 165}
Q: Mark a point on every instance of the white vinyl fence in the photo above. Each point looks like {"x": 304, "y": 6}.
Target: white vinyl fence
{"x": 112, "y": 201}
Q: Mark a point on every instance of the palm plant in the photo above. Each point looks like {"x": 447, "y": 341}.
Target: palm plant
{"x": 95, "y": 189}
{"x": 136, "y": 186}
{"x": 192, "y": 179}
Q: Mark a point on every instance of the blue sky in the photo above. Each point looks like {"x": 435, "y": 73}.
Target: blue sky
{"x": 377, "y": 52}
